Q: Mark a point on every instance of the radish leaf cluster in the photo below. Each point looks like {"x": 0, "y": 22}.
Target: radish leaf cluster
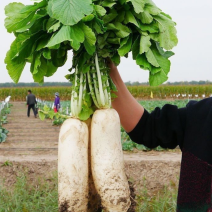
{"x": 94, "y": 30}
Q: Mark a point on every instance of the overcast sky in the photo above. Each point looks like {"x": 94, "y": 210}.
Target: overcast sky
{"x": 193, "y": 58}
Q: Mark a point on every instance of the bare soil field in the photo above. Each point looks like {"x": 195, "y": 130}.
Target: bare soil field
{"x": 31, "y": 148}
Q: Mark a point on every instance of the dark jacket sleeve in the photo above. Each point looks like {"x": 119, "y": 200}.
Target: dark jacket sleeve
{"x": 163, "y": 127}
{"x": 27, "y": 99}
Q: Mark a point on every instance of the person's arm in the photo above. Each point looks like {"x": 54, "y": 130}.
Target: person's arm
{"x": 163, "y": 127}
{"x": 27, "y": 99}
{"x": 129, "y": 110}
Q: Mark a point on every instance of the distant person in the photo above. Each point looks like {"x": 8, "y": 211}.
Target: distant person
{"x": 56, "y": 102}
{"x": 31, "y": 101}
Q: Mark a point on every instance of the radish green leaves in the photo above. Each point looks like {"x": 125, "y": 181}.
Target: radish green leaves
{"x": 94, "y": 30}
{"x": 62, "y": 9}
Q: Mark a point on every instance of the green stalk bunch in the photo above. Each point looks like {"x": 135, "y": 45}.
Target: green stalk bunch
{"x": 94, "y": 30}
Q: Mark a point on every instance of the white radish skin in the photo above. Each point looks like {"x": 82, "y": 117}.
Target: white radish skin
{"x": 73, "y": 166}
{"x": 107, "y": 161}
{"x": 94, "y": 202}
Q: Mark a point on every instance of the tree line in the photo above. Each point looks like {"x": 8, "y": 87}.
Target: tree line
{"x": 201, "y": 82}
{"x": 67, "y": 84}
{"x": 32, "y": 84}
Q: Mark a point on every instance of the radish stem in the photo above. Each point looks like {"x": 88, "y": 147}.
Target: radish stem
{"x": 99, "y": 81}
{"x": 92, "y": 90}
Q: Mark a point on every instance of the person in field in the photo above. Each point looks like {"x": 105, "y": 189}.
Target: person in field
{"x": 31, "y": 102}
{"x": 190, "y": 128}
{"x": 56, "y": 102}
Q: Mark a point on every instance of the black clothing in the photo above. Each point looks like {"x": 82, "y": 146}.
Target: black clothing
{"x": 29, "y": 108}
{"x": 191, "y": 129}
{"x": 31, "y": 100}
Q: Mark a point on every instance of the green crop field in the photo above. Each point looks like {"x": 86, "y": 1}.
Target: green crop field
{"x": 149, "y": 105}
{"x": 127, "y": 144}
{"x": 140, "y": 92}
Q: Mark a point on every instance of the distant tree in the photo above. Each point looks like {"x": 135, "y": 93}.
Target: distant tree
{"x": 128, "y": 83}
{"x": 32, "y": 84}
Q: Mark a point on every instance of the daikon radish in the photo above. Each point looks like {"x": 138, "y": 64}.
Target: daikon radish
{"x": 94, "y": 201}
{"x": 107, "y": 161}
{"x": 73, "y": 166}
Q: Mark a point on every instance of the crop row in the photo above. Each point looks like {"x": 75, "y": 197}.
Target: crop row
{"x": 140, "y": 92}
{"x": 47, "y": 93}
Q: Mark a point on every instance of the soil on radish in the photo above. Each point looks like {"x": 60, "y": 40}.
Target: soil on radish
{"x": 64, "y": 207}
{"x": 132, "y": 196}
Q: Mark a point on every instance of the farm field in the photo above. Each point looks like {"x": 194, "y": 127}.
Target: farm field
{"x": 30, "y": 152}
{"x": 139, "y": 92}
{"x": 149, "y": 105}
{"x": 127, "y": 144}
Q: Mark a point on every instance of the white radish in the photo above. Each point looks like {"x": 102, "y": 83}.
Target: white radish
{"x": 73, "y": 166}
{"x": 94, "y": 202}
{"x": 107, "y": 161}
